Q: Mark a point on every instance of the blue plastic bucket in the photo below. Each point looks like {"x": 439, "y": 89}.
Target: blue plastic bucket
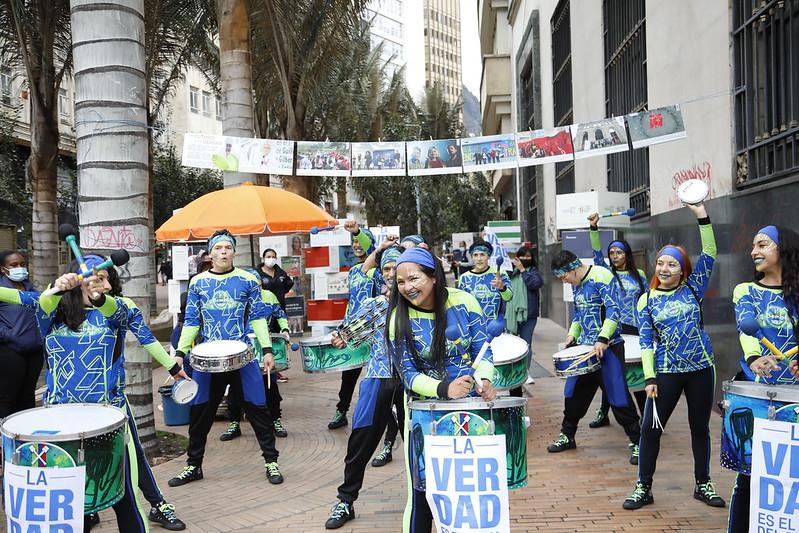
{"x": 174, "y": 413}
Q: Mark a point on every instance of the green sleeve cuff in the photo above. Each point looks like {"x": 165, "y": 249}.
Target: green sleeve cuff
{"x": 507, "y": 294}
{"x": 159, "y": 355}
{"x": 648, "y": 362}
{"x": 10, "y": 296}
{"x": 108, "y": 307}
{"x": 596, "y": 243}
{"x": 49, "y": 303}
{"x": 262, "y": 333}
{"x": 575, "y": 329}
{"x": 708, "y": 238}
{"x": 187, "y": 337}
{"x": 750, "y": 345}
{"x": 282, "y": 323}
{"x": 425, "y": 385}
{"x": 608, "y": 328}
{"x": 484, "y": 370}
{"x": 364, "y": 240}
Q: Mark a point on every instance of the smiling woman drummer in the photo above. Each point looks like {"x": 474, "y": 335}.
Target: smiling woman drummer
{"x": 421, "y": 309}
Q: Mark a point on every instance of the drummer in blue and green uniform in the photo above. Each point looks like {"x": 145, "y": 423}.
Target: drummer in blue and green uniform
{"x": 772, "y": 300}
{"x": 378, "y": 393}
{"x": 83, "y": 330}
{"x": 595, "y": 324}
{"x": 632, "y": 284}
{"x": 483, "y": 281}
{"x": 363, "y": 284}
{"x": 222, "y": 304}
{"x": 431, "y": 366}
{"x": 670, "y": 315}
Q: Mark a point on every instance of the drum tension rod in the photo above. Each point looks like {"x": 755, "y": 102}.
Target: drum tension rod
{"x": 772, "y": 410}
{"x": 81, "y": 453}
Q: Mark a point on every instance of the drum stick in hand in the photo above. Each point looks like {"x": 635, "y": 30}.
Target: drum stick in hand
{"x": 268, "y": 378}
{"x": 750, "y": 327}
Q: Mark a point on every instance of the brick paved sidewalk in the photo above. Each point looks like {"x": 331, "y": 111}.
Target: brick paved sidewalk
{"x": 579, "y": 490}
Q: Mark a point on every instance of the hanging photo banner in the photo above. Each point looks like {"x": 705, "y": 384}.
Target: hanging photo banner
{"x": 605, "y": 136}
{"x": 441, "y": 156}
{"x": 238, "y": 154}
{"x": 378, "y": 159}
{"x": 774, "y": 498}
{"x": 481, "y": 154}
{"x": 656, "y": 126}
{"x": 323, "y": 158}
{"x": 544, "y": 146}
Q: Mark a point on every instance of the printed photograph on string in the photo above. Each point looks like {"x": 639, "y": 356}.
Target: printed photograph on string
{"x": 606, "y": 136}
{"x": 656, "y": 126}
{"x": 488, "y": 153}
{"x": 378, "y": 159}
{"x": 238, "y": 154}
{"x": 544, "y": 146}
{"x": 441, "y": 156}
{"x": 324, "y": 158}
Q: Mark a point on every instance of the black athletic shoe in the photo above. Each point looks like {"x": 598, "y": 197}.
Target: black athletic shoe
{"x": 341, "y": 513}
{"x": 704, "y": 492}
{"x": 233, "y": 431}
{"x": 633, "y": 453}
{"x": 273, "y": 473}
{"x": 90, "y": 520}
{"x": 600, "y": 420}
{"x": 642, "y": 495}
{"x": 280, "y": 431}
{"x": 339, "y": 420}
{"x": 189, "y": 474}
{"x": 164, "y": 514}
{"x": 561, "y": 444}
{"x": 384, "y": 457}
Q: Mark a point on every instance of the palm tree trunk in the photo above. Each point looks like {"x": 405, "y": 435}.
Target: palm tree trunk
{"x": 113, "y": 162}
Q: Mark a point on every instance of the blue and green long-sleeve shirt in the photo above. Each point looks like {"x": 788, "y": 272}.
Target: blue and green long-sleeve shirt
{"x": 629, "y": 288}
{"x": 673, "y": 319}
{"x": 596, "y": 308}
{"x": 766, "y": 305}
{"x": 479, "y": 286}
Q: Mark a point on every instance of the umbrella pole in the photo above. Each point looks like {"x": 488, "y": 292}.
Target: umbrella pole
{"x": 252, "y": 251}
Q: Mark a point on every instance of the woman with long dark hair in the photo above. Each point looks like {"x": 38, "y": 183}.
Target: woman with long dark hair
{"x": 670, "y": 314}
{"x": 420, "y": 310}
{"x": 772, "y": 300}
{"x": 631, "y": 282}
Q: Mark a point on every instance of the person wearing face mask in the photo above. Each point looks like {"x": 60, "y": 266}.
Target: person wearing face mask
{"x": 670, "y": 313}
{"x": 363, "y": 283}
{"x": 483, "y": 281}
{"x": 630, "y": 281}
{"x": 521, "y": 314}
{"x": 772, "y": 300}
{"x": 378, "y": 393}
{"x": 273, "y": 278}
{"x": 21, "y": 355}
{"x": 461, "y": 260}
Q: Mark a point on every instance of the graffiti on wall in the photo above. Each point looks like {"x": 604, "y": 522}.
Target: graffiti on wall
{"x": 702, "y": 171}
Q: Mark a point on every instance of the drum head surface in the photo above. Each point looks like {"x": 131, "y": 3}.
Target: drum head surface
{"x": 764, "y": 391}
{"x": 219, "y": 348}
{"x": 692, "y": 191}
{"x": 184, "y": 391}
{"x": 508, "y": 348}
{"x": 50, "y": 423}
{"x": 317, "y": 341}
{"x": 632, "y": 348}
{"x": 465, "y": 404}
{"x": 580, "y": 349}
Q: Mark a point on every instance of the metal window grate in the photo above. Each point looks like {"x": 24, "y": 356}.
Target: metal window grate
{"x": 562, "y": 86}
{"x": 766, "y": 89}
{"x": 626, "y": 92}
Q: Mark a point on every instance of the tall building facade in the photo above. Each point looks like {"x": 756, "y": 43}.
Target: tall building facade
{"x": 442, "y": 47}
{"x": 386, "y": 17}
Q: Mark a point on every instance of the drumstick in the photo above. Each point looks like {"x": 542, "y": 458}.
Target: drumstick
{"x": 791, "y": 352}
{"x": 317, "y": 229}
{"x": 268, "y": 378}
{"x": 749, "y": 326}
{"x": 626, "y": 213}
{"x": 581, "y": 359}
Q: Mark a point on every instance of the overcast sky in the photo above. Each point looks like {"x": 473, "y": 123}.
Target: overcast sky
{"x": 470, "y": 47}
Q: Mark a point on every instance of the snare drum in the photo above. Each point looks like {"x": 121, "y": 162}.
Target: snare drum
{"x": 221, "y": 356}
{"x": 633, "y": 369}
{"x": 743, "y": 402}
{"x": 74, "y": 434}
{"x": 279, "y": 351}
{"x": 510, "y": 361}
{"x": 319, "y": 355}
{"x": 575, "y": 361}
{"x": 184, "y": 391}
{"x": 469, "y": 417}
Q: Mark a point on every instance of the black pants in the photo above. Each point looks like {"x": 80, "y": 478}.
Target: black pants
{"x": 273, "y": 399}
{"x": 739, "y": 505}
{"x": 577, "y": 406}
{"x": 18, "y": 377}
{"x": 349, "y": 378}
{"x": 640, "y": 401}
{"x": 147, "y": 484}
{"x": 699, "y": 388}
{"x": 395, "y": 424}
{"x": 364, "y": 440}
{"x": 202, "y": 418}
{"x": 421, "y": 517}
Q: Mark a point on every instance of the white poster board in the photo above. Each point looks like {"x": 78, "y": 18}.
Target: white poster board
{"x": 332, "y": 237}
{"x": 466, "y": 237}
{"x": 279, "y": 244}
{"x": 180, "y": 263}
{"x": 381, "y": 232}
{"x": 173, "y": 296}
{"x": 44, "y": 499}
{"x": 467, "y": 485}
{"x": 573, "y": 209}
{"x": 774, "y": 492}
{"x": 337, "y": 285}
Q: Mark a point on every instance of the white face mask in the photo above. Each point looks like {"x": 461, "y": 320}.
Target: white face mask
{"x": 18, "y": 274}
{"x": 270, "y": 261}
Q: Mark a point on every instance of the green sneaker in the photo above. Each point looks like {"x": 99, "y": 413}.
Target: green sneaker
{"x": 340, "y": 514}
{"x": 561, "y": 444}
{"x": 642, "y": 495}
{"x": 633, "y": 453}
{"x": 601, "y": 419}
{"x": 164, "y": 514}
{"x": 704, "y": 492}
{"x": 339, "y": 420}
{"x": 384, "y": 457}
{"x": 280, "y": 431}
{"x": 233, "y": 431}
{"x": 187, "y": 475}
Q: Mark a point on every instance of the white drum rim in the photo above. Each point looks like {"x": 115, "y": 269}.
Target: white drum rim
{"x": 218, "y": 354}
{"x": 694, "y": 198}
{"x": 580, "y": 349}
{"x": 182, "y": 384}
{"x": 632, "y": 359}
{"x": 465, "y": 404}
{"x": 513, "y": 359}
{"x": 762, "y": 391}
{"x": 320, "y": 340}
{"x": 64, "y": 437}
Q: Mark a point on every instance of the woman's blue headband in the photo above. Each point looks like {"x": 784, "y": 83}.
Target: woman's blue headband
{"x": 771, "y": 232}
{"x": 673, "y": 251}
{"x": 620, "y": 245}
{"x": 420, "y": 256}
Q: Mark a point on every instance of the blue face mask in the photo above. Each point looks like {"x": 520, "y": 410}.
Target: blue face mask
{"x": 18, "y": 274}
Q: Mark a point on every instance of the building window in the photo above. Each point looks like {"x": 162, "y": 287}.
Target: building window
{"x": 218, "y": 108}
{"x": 625, "y": 92}
{"x": 206, "y": 103}
{"x": 194, "y": 99}
{"x": 562, "y": 87}
{"x": 64, "y": 111}
{"x": 766, "y": 88}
